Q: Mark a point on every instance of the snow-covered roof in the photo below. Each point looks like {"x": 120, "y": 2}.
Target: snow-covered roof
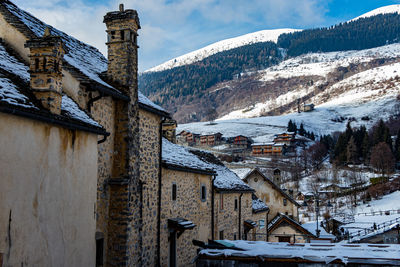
{"x": 263, "y": 144}
{"x": 258, "y": 205}
{"x": 312, "y": 228}
{"x": 87, "y": 60}
{"x": 15, "y": 92}
{"x": 178, "y": 156}
{"x": 226, "y": 180}
{"x": 280, "y": 218}
{"x": 380, "y": 254}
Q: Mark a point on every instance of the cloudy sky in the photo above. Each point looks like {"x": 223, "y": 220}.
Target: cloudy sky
{"x": 171, "y": 28}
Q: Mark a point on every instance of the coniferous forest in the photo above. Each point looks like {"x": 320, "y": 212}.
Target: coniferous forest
{"x": 170, "y": 88}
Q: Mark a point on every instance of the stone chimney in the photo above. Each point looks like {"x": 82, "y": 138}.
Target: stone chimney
{"x": 122, "y": 27}
{"x": 169, "y": 130}
{"x": 46, "y": 54}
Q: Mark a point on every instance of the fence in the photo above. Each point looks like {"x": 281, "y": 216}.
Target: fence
{"x": 372, "y": 229}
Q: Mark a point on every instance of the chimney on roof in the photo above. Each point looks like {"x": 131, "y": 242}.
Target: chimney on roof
{"x": 169, "y": 130}
{"x": 122, "y": 28}
{"x": 46, "y": 54}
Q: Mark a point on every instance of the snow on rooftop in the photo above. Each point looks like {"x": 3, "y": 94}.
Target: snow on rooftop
{"x": 200, "y": 54}
{"x": 73, "y": 111}
{"x": 228, "y": 180}
{"x": 11, "y": 64}
{"x": 312, "y": 228}
{"x": 88, "y": 59}
{"x": 178, "y": 155}
{"x": 145, "y": 101}
{"x": 374, "y": 253}
{"x": 258, "y": 204}
{"x": 10, "y": 94}
{"x": 242, "y": 172}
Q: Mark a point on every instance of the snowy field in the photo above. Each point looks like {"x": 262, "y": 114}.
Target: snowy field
{"x": 320, "y": 121}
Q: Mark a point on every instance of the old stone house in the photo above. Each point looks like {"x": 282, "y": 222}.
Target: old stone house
{"x": 84, "y": 180}
{"x": 278, "y": 201}
{"x": 283, "y": 228}
{"x": 186, "y": 204}
{"x": 87, "y": 95}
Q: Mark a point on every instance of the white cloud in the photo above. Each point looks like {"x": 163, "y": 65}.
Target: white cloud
{"x": 171, "y": 28}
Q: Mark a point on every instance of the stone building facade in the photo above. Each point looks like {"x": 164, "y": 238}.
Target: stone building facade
{"x": 277, "y": 200}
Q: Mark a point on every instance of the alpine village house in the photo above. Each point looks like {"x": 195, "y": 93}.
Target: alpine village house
{"x": 86, "y": 177}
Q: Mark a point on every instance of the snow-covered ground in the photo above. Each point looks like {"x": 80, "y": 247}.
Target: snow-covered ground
{"x": 320, "y": 121}
{"x": 361, "y": 87}
{"x": 200, "y": 54}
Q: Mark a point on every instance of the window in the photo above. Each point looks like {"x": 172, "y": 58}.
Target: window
{"x": 221, "y": 201}
{"x": 203, "y": 193}
{"x": 122, "y": 35}
{"x": 236, "y": 203}
{"x": 36, "y": 64}
{"x": 56, "y": 66}
{"x": 284, "y": 202}
{"x": 112, "y": 34}
{"x": 44, "y": 64}
{"x": 234, "y": 237}
{"x": 221, "y": 235}
{"x": 99, "y": 252}
{"x": 174, "y": 191}
{"x": 261, "y": 224}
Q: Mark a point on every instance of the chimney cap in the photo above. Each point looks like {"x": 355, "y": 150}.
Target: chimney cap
{"x": 121, "y": 7}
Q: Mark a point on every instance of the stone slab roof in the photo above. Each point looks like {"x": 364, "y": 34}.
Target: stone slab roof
{"x": 85, "y": 62}
{"x": 15, "y": 94}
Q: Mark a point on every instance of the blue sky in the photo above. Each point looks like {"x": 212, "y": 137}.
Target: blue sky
{"x": 171, "y": 28}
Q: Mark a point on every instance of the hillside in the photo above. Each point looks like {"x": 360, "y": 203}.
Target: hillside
{"x": 268, "y": 78}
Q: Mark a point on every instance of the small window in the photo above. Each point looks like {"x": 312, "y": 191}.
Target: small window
{"x": 284, "y": 202}
{"x": 174, "y": 191}
{"x": 221, "y": 201}
{"x": 36, "y": 64}
{"x": 234, "y": 237}
{"x": 256, "y": 179}
{"x": 112, "y": 34}
{"x": 236, "y": 203}
{"x": 261, "y": 224}
{"x": 203, "y": 193}
{"x": 221, "y": 235}
{"x": 122, "y": 35}
{"x": 44, "y": 63}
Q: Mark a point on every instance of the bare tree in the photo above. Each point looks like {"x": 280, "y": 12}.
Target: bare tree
{"x": 382, "y": 158}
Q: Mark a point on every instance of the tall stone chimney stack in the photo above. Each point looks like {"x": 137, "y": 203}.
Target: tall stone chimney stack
{"x": 125, "y": 246}
{"x": 122, "y": 28}
{"x": 46, "y": 54}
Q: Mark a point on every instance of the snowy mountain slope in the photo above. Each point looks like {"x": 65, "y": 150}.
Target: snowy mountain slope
{"x": 197, "y": 55}
{"x": 321, "y": 121}
{"x": 320, "y": 66}
{"x": 382, "y": 10}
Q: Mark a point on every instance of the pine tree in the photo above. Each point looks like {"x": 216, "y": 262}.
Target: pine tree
{"x": 365, "y": 147}
{"x": 351, "y": 151}
{"x": 301, "y": 130}
{"x": 397, "y": 146}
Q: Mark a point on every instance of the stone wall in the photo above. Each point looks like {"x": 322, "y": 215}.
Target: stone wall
{"x": 227, "y": 216}
{"x": 103, "y": 112}
{"x": 149, "y": 125}
{"x": 47, "y": 194}
{"x": 188, "y": 205}
{"x": 287, "y": 230}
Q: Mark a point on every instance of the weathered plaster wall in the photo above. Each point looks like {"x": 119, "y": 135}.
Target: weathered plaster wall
{"x": 188, "y": 205}
{"x": 47, "y": 194}
{"x": 258, "y": 233}
{"x": 273, "y": 198}
{"x": 14, "y": 38}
